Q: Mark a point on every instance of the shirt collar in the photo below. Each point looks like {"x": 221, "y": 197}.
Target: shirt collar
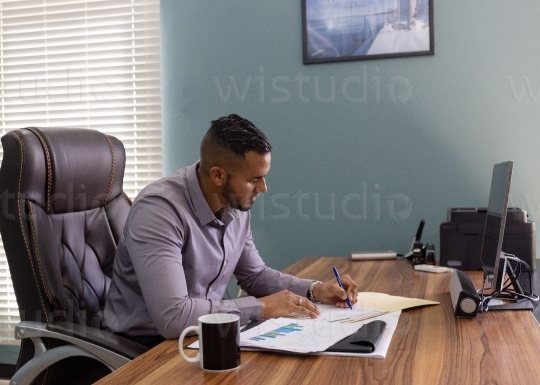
{"x": 202, "y": 210}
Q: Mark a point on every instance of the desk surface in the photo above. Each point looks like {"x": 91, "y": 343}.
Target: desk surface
{"x": 430, "y": 346}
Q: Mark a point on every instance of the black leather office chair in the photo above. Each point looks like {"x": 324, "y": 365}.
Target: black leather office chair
{"x": 63, "y": 211}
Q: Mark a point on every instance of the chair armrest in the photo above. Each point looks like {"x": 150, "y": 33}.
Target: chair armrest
{"x": 81, "y": 341}
{"x": 91, "y": 339}
{"x": 107, "y": 339}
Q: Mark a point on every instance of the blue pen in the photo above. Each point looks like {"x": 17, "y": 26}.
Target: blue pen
{"x": 340, "y": 282}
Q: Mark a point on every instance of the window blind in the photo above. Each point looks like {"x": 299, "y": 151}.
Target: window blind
{"x": 92, "y": 64}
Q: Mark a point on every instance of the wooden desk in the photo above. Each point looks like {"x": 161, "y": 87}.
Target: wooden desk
{"x": 430, "y": 346}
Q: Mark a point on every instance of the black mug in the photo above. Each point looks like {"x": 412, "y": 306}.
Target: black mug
{"x": 219, "y": 342}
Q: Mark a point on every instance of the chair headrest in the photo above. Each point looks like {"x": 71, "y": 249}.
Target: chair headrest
{"x": 84, "y": 168}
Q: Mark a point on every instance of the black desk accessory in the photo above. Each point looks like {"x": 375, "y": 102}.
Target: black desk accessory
{"x": 465, "y": 300}
{"x": 420, "y": 254}
{"x": 363, "y": 341}
{"x": 416, "y": 246}
{"x": 509, "y": 289}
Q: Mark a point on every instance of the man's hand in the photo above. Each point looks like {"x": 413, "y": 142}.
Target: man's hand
{"x": 285, "y": 302}
{"x": 329, "y": 292}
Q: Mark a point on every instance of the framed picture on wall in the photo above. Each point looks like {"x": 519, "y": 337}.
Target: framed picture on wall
{"x": 344, "y": 30}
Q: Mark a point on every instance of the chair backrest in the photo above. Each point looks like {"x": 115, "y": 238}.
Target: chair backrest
{"x": 63, "y": 212}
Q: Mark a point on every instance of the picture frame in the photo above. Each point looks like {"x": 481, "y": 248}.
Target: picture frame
{"x": 346, "y": 30}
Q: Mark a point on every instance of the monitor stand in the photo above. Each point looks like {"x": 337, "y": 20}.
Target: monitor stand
{"x": 511, "y": 300}
{"x": 520, "y": 304}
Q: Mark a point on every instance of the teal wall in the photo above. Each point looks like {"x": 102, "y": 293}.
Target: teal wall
{"x": 351, "y": 174}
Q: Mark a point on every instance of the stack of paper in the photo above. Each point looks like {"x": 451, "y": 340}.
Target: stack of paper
{"x": 303, "y": 336}
{"x": 331, "y": 313}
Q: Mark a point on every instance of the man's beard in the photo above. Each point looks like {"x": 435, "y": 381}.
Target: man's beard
{"x": 229, "y": 194}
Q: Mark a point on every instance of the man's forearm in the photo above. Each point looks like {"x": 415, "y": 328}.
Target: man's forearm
{"x": 270, "y": 281}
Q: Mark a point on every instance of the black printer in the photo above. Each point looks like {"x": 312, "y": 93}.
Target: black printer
{"x": 461, "y": 237}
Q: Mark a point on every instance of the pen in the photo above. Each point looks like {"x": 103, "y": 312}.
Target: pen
{"x": 340, "y": 282}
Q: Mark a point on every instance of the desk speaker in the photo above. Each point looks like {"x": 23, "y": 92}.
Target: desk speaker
{"x": 465, "y": 300}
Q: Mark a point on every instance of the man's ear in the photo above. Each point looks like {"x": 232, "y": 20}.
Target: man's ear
{"x": 218, "y": 176}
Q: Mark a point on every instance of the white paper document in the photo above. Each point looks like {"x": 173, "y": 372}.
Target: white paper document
{"x": 332, "y": 313}
{"x": 296, "y": 335}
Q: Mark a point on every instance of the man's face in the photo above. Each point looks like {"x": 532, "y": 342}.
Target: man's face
{"x": 247, "y": 181}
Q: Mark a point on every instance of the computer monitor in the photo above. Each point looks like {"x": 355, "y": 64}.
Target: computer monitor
{"x": 495, "y": 222}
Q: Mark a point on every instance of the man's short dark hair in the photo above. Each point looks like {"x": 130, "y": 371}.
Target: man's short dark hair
{"x": 233, "y": 135}
{"x": 238, "y": 135}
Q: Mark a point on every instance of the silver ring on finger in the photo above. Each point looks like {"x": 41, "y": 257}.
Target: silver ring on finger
{"x": 299, "y": 301}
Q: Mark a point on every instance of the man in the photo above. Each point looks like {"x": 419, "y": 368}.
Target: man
{"x": 187, "y": 234}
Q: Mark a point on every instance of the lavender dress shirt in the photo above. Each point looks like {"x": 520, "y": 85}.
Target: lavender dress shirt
{"x": 175, "y": 259}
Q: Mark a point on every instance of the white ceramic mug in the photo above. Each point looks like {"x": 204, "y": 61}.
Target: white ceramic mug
{"x": 219, "y": 342}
